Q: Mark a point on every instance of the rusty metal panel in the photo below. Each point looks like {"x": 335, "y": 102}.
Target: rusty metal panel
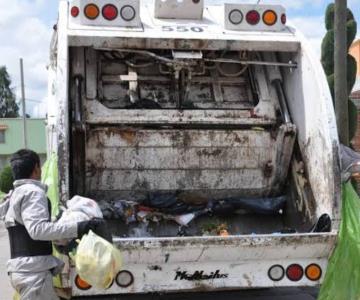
{"x": 96, "y": 113}
{"x": 133, "y": 159}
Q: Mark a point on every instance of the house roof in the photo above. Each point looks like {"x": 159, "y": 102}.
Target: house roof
{"x": 355, "y": 95}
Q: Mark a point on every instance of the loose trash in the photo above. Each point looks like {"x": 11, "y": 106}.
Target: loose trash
{"x": 78, "y": 209}
{"x": 169, "y": 206}
{"x": 97, "y": 261}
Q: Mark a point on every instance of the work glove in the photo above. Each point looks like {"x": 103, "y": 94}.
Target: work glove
{"x": 98, "y": 226}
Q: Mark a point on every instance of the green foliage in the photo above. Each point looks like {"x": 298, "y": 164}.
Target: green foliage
{"x": 327, "y": 53}
{"x": 351, "y": 30}
{"x": 6, "y": 180}
{"x": 8, "y": 106}
{"x": 327, "y": 60}
{"x": 330, "y": 16}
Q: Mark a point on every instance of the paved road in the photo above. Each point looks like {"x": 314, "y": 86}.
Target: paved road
{"x": 271, "y": 294}
{"x": 6, "y": 291}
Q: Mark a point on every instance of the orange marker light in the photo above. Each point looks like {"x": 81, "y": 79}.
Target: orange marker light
{"x": 81, "y": 284}
{"x": 91, "y": 11}
{"x": 313, "y": 272}
{"x": 269, "y": 17}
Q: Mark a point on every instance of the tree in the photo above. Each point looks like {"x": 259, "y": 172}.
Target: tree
{"x": 327, "y": 60}
{"x": 8, "y": 106}
{"x": 6, "y": 180}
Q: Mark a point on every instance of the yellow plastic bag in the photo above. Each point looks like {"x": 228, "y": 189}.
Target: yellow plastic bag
{"x": 97, "y": 261}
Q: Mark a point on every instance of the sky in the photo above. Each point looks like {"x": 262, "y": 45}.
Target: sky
{"x": 26, "y": 29}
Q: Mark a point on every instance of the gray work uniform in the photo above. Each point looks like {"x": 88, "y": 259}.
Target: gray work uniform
{"x": 27, "y": 205}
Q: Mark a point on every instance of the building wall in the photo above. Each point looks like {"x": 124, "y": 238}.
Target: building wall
{"x": 355, "y": 51}
{"x": 36, "y": 138}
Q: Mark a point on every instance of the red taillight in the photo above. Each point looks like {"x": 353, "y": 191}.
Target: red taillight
{"x": 110, "y": 12}
{"x": 75, "y": 11}
{"x": 253, "y": 17}
{"x": 283, "y": 19}
{"x": 294, "y": 272}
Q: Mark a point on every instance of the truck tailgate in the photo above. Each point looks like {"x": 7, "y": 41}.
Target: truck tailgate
{"x": 216, "y": 263}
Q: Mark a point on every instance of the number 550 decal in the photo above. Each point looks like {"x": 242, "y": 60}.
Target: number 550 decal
{"x": 182, "y": 28}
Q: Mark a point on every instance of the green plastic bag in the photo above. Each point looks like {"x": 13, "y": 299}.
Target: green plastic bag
{"x": 50, "y": 178}
{"x": 342, "y": 280}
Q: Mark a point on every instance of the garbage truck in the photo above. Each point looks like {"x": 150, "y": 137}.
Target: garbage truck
{"x": 220, "y": 105}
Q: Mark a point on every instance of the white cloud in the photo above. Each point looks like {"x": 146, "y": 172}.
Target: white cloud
{"x": 25, "y": 35}
{"x": 313, "y": 28}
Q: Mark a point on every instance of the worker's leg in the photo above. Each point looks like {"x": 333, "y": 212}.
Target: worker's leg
{"x": 34, "y": 286}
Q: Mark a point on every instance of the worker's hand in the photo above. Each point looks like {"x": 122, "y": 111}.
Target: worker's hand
{"x": 93, "y": 224}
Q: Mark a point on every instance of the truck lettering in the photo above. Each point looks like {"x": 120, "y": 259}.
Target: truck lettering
{"x": 199, "y": 275}
{"x": 183, "y": 28}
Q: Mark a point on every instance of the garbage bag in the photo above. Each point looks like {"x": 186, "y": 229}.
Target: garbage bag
{"x": 97, "y": 261}
{"x": 266, "y": 206}
{"x": 85, "y": 205}
{"x": 342, "y": 279}
{"x": 79, "y": 209}
{"x": 49, "y": 176}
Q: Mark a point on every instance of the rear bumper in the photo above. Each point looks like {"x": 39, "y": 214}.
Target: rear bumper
{"x": 214, "y": 263}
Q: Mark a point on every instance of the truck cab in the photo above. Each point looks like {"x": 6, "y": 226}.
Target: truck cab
{"x": 205, "y": 103}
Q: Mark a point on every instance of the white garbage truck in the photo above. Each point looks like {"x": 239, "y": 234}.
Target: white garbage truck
{"x": 221, "y": 105}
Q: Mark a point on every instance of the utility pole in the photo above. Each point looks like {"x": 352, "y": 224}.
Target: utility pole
{"x": 341, "y": 95}
{"x": 23, "y": 102}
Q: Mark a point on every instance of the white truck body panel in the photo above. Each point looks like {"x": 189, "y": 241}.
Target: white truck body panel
{"x": 170, "y": 265}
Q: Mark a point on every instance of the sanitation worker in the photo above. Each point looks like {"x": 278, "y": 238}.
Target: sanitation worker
{"x": 26, "y": 212}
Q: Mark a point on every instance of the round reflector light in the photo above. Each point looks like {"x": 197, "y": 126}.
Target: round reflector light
{"x": 283, "y": 19}
{"x": 294, "y": 272}
{"x": 91, "y": 11}
{"x": 253, "y": 17}
{"x": 75, "y": 11}
{"x": 236, "y": 16}
{"x": 276, "y": 273}
{"x": 313, "y": 272}
{"x": 124, "y": 279}
{"x": 269, "y": 17}
{"x": 81, "y": 284}
{"x": 127, "y": 12}
{"x": 110, "y": 12}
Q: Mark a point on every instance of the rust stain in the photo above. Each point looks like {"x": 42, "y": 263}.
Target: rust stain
{"x": 268, "y": 169}
{"x": 128, "y": 135}
{"x": 155, "y": 268}
{"x": 241, "y": 140}
{"x": 248, "y": 280}
{"x": 206, "y": 152}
